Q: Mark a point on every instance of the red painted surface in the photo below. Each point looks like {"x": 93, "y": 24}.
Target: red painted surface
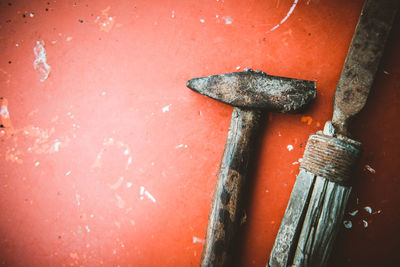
{"x": 111, "y": 160}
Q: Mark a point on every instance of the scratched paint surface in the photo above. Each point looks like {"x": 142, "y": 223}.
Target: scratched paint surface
{"x": 106, "y": 158}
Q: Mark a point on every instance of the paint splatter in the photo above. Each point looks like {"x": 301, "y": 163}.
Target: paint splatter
{"x": 289, "y": 147}
{"x": 228, "y": 20}
{"x": 120, "y": 202}
{"x": 145, "y": 192}
{"x": 105, "y": 22}
{"x": 166, "y": 108}
{"x": 370, "y": 169}
{"x": 368, "y": 209}
{"x": 117, "y": 184}
{"x": 286, "y": 17}
{"x": 348, "y": 224}
{"x": 353, "y": 213}
{"x": 40, "y": 63}
{"x": 181, "y": 146}
{"x": 306, "y": 119}
{"x": 197, "y": 240}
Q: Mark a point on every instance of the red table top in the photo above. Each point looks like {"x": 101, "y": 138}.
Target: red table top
{"x": 106, "y": 157}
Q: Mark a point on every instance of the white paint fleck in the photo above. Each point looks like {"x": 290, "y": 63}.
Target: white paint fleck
{"x": 31, "y": 15}
{"x": 365, "y": 223}
{"x": 289, "y": 147}
{"x": 228, "y": 19}
{"x": 166, "y": 108}
{"x": 368, "y": 209}
{"x": 126, "y": 152}
{"x": 4, "y": 112}
{"x": 68, "y": 173}
{"x": 348, "y": 224}
{"x": 300, "y": 160}
{"x": 40, "y": 63}
{"x": 150, "y": 196}
{"x": 387, "y": 73}
{"x": 103, "y": 93}
{"x": 78, "y": 199}
{"x": 56, "y": 145}
{"x": 238, "y": 67}
{"x": 173, "y": 14}
{"x": 286, "y": 17}
{"x": 181, "y": 146}
{"x": 129, "y": 160}
{"x": 141, "y": 192}
{"x": 217, "y": 16}
{"x": 129, "y": 184}
{"x": 202, "y": 20}
{"x": 370, "y": 169}
{"x": 353, "y": 213}
{"x": 91, "y": 215}
{"x": 87, "y": 228}
{"x": 37, "y": 163}
{"x": 197, "y": 240}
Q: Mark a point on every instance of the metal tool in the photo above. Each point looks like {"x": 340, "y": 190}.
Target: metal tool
{"x": 251, "y": 93}
{"x": 319, "y": 196}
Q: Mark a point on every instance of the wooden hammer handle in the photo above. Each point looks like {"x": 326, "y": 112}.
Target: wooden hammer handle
{"x": 226, "y": 210}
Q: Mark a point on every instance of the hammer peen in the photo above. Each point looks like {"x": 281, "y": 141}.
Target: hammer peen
{"x": 251, "y": 93}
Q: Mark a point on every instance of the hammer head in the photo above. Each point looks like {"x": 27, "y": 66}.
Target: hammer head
{"x": 256, "y": 89}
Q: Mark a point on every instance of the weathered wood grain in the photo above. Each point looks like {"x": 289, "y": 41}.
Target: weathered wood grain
{"x": 285, "y": 245}
{"x": 321, "y": 223}
{"x": 226, "y": 208}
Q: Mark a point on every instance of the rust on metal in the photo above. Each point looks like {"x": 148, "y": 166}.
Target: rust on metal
{"x": 362, "y": 60}
{"x": 256, "y": 89}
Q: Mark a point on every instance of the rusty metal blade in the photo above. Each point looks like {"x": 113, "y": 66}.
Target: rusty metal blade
{"x": 256, "y": 89}
{"x": 362, "y": 60}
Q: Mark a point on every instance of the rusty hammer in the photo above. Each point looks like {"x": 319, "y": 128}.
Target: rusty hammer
{"x": 251, "y": 93}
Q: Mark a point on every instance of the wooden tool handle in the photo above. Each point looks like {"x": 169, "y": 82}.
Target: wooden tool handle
{"x": 317, "y": 203}
{"x": 226, "y": 210}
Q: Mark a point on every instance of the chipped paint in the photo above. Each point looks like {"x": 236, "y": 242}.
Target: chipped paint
{"x": 228, "y": 20}
{"x": 166, "y": 108}
{"x": 150, "y": 196}
{"x": 40, "y": 62}
{"x": 347, "y": 224}
{"x": 117, "y": 184}
{"x": 286, "y": 17}
{"x": 370, "y": 169}
{"x": 353, "y": 213}
{"x": 120, "y": 202}
{"x": 198, "y": 240}
{"x": 181, "y": 146}
{"x": 368, "y": 209}
{"x": 105, "y": 21}
{"x": 306, "y": 119}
